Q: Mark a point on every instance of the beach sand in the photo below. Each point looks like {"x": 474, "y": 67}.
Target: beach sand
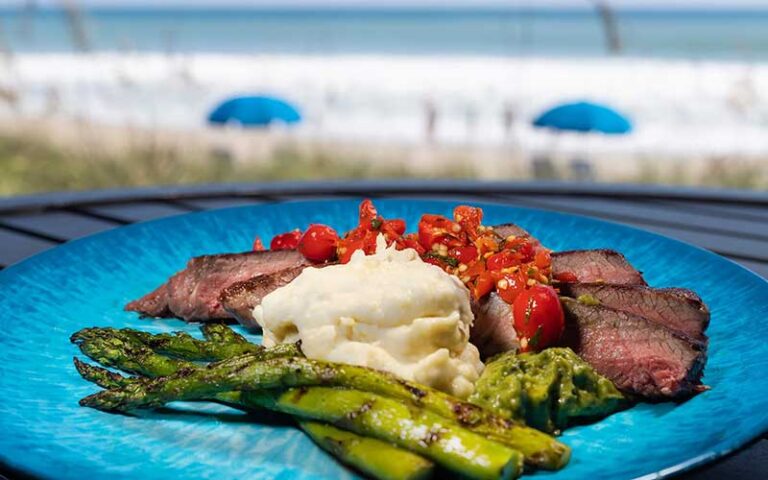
{"x": 139, "y": 156}
{"x": 678, "y": 107}
{"x": 368, "y": 116}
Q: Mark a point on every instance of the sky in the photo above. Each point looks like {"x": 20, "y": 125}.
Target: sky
{"x": 629, "y": 4}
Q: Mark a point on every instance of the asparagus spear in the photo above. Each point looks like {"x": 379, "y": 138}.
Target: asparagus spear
{"x": 373, "y": 457}
{"x": 540, "y": 449}
{"x": 223, "y": 342}
{"x": 390, "y": 420}
{"x": 494, "y": 429}
{"x": 222, "y": 334}
{"x": 103, "y": 377}
{"x": 112, "y": 348}
{"x": 129, "y": 352}
{"x": 244, "y": 373}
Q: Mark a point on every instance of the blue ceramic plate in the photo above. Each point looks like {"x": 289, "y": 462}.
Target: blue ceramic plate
{"x": 43, "y": 300}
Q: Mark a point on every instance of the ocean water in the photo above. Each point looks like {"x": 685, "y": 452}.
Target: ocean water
{"x": 722, "y": 34}
{"x": 693, "y": 84}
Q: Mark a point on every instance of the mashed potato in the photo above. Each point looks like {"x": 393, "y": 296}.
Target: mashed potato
{"x": 389, "y": 311}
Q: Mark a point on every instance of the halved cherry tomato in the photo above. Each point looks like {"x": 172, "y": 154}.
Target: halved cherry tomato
{"x": 258, "y": 245}
{"x": 318, "y": 243}
{"x": 286, "y": 241}
{"x": 539, "y": 318}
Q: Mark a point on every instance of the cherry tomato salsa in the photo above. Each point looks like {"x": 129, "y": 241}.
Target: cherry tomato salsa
{"x": 518, "y": 269}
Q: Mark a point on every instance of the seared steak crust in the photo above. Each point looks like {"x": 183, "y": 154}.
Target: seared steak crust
{"x": 599, "y": 266}
{"x": 640, "y": 356}
{"x": 239, "y": 298}
{"x": 507, "y": 229}
{"x": 675, "y": 308}
{"x": 193, "y": 293}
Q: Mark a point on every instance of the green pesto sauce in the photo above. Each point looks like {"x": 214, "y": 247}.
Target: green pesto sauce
{"x": 548, "y": 390}
{"x": 588, "y": 299}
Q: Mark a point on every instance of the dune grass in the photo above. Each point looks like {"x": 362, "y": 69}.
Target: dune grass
{"x": 718, "y": 172}
{"x": 29, "y": 163}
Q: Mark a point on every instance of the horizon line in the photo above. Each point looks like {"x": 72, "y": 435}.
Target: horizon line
{"x": 429, "y": 8}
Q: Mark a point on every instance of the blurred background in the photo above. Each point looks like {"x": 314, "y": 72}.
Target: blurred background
{"x": 103, "y": 93}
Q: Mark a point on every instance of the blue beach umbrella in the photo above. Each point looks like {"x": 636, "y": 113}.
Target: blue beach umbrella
{"x": 254, "y": 111}
{"x": 584, "y": 117}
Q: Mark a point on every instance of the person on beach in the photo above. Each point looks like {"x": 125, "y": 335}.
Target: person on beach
{"x": 430, "y": 116}
{"x": 508, "y": 120}
{"x": 470, "y": 120}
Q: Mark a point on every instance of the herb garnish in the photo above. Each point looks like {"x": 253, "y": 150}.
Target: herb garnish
{"x": 445, "y": 259}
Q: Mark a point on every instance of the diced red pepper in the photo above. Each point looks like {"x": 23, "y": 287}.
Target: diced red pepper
{"x": 469, "y": 218}
{"x": 434, "y": 229}
{"x": 542, "y": 259}
{"x": 486, "y": 244}
{"x": 464, "y": 255}
{"x": 483, "y": 285}
{"x": 566, "y": 277}
{"x": 510, "y": 285}
{"x": 503, "y": 259}
{"x": 474, "y": 269}
{"x": 394, "y": 227}
{"x": 368, "y": 213}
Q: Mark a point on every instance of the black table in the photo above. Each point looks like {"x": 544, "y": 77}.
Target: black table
{"x": 731, "y": 223}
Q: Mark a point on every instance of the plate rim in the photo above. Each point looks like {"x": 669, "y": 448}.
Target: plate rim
{"x": 731, "y": 445}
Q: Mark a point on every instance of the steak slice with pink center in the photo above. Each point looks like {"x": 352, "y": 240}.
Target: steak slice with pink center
{"x": 595, "y": 266}
{"x": 678, "y": 309}
{"x": 639, "y": 356}
{"x": 240, "y": 298}
{"x": 193, "y": 293}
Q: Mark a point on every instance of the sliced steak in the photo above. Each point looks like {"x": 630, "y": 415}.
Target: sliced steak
{"x": 640, "y": 356}
{"x": 240, "y": 298}
{"x": 193, "y": 293}
{"x": 153, "y": 304}
{"x": 493, "y": 330}
{"x": 507, "y": 229}
{"x": 598, "y": 266}
{"x": 676, "y": 308}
